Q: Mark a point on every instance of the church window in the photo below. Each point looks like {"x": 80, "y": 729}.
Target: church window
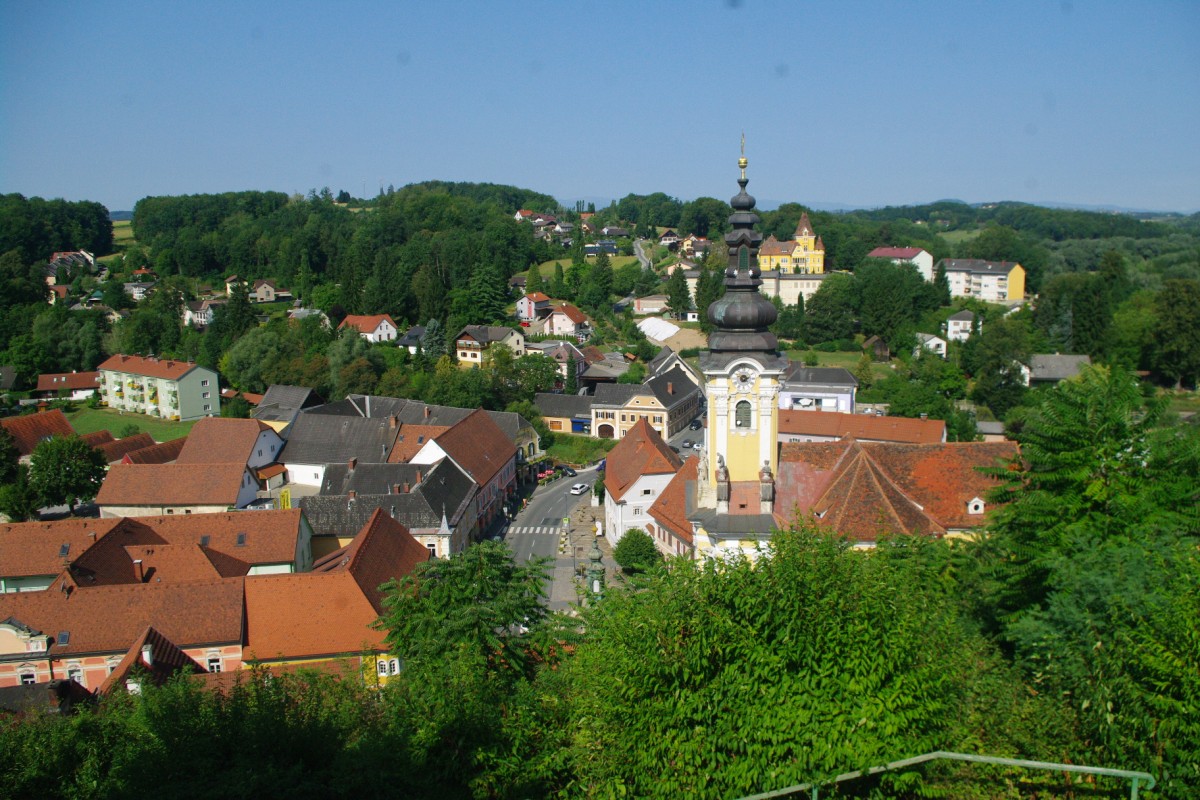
{"x": 741, "y": 415}
{"x": 743, "y": 258}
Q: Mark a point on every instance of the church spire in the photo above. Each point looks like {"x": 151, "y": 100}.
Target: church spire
{"x": 743, "y": 314}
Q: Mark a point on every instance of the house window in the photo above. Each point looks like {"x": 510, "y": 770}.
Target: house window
{"x": 382, "y": 667}
{"x": 637, "y": 511}
{"x": 207, "y": 407}
{"x": 28, "y": 678}
{"x": 432, "y": 550}
{"x": 647, "y": 492}
{"x": 204, "y": 382}
{"x": 214, "y": 663}
{"x": 741, "y": 414}
{"x": 206, "y": 395}
{"x": 395, "y": 665}
{"x": 260, "y": 452}
{"x": 75, "y": 673}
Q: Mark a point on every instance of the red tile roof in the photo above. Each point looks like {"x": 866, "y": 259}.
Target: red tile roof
{"x": 271, "y": 537}
{"x": 365, "y": 323}
{"x": 172, "y": 562}
{"x": 55, "y": 381}
{"x": 804, "y": 227}
{"x": 571, "y": 312}
{"x": 537, "y": 297}
{"x": 29, "y": 430}
{"x": 670, "y": 509}
{"x": 98, "y": 438}
{"x": 411, "y": 439}
{"x": 863, "y": 427}
{"x": 162, "y": 453}
{"x": 168, "y": 369}
{"x": 384, "y": 549}
{"x": 894, "y": 252}
{"x": 220, "y": 440}
{"x": 478, "y": 446}
{"x": 165, "y": 660}
{"x": 308, "y": 615}
{"x": 171, "y": 485}
{"x": 642, "y": 451}
{"x": 32, "y": 548}
{"x": 774, "y": 247}
{"x": 105, "y": 619}
{"x": 117, "y": 450}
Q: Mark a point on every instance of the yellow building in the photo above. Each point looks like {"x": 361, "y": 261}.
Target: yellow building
{"x": 803, "y": 254}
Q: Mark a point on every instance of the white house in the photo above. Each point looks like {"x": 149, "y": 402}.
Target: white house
{"x": 930, "y": 343}
{"x": 533, "y": 306}
{"x": 919, "y": 258}
{"x": 372, "y": 327}
{"x": 958, "y": 326}
{"x": 567, "y": 320}
{"x": 637, "y": 471}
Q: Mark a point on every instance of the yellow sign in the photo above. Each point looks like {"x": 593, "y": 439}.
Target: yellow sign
{"x": 285, "y": 498}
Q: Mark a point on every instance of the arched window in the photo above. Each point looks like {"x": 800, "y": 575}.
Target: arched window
{"x": 741, "y": 414}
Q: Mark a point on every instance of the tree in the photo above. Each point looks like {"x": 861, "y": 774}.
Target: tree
{"x": 18, "y": 499}
{"x": 571, "y": 385}
{"x": 534, "y": 281}
{"x": 679, "y": 300}
{"x": 1176, "y": 353}
{"x": 66, "y": 469}
{"x": 829, "y": 316}
{"x": 237, "y": 408}
{"x": 636, "y": 552}
{"x": 479, "y": 600}
{"x": 9, "y": 455}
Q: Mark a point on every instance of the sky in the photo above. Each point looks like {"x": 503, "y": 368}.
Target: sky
{"x": 855, "y": 104}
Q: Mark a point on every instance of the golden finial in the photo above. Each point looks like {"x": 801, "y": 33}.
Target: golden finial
{"x": 742, "y": 162}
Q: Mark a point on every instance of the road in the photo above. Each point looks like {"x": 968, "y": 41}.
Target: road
{"x": 641, "y": 255}
{"x": 536, "y": 529}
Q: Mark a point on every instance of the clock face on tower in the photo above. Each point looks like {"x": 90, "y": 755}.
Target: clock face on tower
{"x": 743, "y": 380}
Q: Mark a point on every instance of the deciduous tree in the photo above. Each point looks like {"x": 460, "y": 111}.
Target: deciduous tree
{"x": 66, "y": 470}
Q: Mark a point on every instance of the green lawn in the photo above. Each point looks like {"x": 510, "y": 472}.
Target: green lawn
{"x": 547, "y": 267}
{"x": 846, "y": 360}
{"x": 90, "y": 420}
{"x": 958, "y": 237}
{"x": 578, "y": 450}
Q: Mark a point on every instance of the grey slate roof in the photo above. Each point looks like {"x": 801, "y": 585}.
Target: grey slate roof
{"x": 976, "y": 265}
{"x": 370, "y": 478}
{"x": 485, "y": 334}
{"x": 824, "y": 376}
{"x": 1056, "y": 367}
{"x": 444, "y": 488}
{"x": 412, "y": 337}
{"x": 319, "y": 439}
{"x": 616, "y": 394}
{"x": 963, "y": 315}
{"x": 282, "y": 403}
{"x": 563, "y": 405}
{"x": 413, "y": 412}
{"x": 677, "y": 379}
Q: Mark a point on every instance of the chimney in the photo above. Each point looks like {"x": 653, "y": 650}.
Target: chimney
{"x": 352, "y": 463}
{"x": 924, "y": 415}
{"x": 670, "y": 388}
{"x": 426, "y": 412}
{"x": 395, "y": 488}
{"x": 353, "y": 495}
{"x": 139, "y": 571}
{"x": 405, "y": 487}
{"x": 393, "y": 421}
{"x": 148, "y": 654}
{"x": 418, "y": 476}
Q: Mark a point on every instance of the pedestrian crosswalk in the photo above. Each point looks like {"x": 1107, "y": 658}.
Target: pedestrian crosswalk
{"x": 528, "y": 529}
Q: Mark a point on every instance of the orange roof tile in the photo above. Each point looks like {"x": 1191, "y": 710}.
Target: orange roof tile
{"x": 670, "y": 509}
{"x": 410, "y": 439}
{"x": 172, "y": 562}
{"x": 162, "y": 453}
{"x": 171, "y": 485}
{"x": 97, "y": 438}
{"x": 538, "y": 297}
{"x": 478, "y": 446}
{"x": 571, "y": 312}
{"x": 365, "y": 323}
{"x": 306, "y": 615}
{"x": 642, "y": 451}
{"x": 53, "y": 382}
{"x": 165, "y": 660}
{"x": 150, "y": 367}
{"x": 861, "y": 426}
{"x": 384, "y": 549}
{"x": 220, "y": 440}
{"x": 32, "y": 548}
{"x": 119, "y": 448}
{"x": 27, "y": 431}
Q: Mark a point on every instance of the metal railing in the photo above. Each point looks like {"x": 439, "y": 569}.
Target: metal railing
{"x": 1136, "y": 779}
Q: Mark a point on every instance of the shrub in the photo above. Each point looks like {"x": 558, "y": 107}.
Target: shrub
{"x": 636, "y": 551}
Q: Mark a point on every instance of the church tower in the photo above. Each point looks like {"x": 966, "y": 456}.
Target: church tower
{"x": 742, "y": 367}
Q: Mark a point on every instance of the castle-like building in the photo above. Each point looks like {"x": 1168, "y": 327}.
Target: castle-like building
{"x": 804, "y": 254}
{"x": 745, "y": 484}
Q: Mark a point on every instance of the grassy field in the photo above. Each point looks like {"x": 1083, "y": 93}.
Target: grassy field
{"x": 123, "y": 233}
{"x": 90, "y": 420}
{"x": 958, "y": 237}
{"x": 547, "y": 267}
{"x": 579, "y": 450}
{"x": 845, "y": 360}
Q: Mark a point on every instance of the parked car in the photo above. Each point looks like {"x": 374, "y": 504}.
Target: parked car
{"x": 579, "y": 488}
{"x": 568, "y": 471}
{"x": 686, "y": 444}
{"x": 698, "y": 446}
{"x": 696, "y": 425}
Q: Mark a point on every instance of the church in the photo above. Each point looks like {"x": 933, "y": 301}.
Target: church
{"x": 744, "y": 484}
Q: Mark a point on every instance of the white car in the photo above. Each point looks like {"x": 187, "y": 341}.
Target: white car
{"x": 579, "y": 488}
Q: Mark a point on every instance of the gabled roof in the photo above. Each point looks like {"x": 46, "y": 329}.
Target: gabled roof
{"x": 150, "y": 367}
{"x": 221, "y": 440}
{"x": 281, "y": 402}
{"x": 640, "y": 452}
{"x": 369, "y": 478}
{"x": 485, "y": 334}
{"x": 71, "y": 381}
{"x": 34, "y": 548}
{"x": 563, "y": 405}
{"x": 308, "y": 615}
{"x": 365, "y": 323}
{"x": 895, "y": 252}
{"x": 411, "y": 439}
{"x": 166, "y": 659}
{"x": 670, "y": 509}
{"x": 774, "y": 247}
{"x": 804, "y": 227}
{"x": 1046, "y": 367}
{"x": 382, "y": 551}
{"x": 479, "y": 446}
{"x": 98, "y": 438}
{"x": 117, "y": 450}
{"x": 977, "y": 266}
{"x": 29, "y": 430}
{"x": 863, "y": 427}
{"x": 570, "y": 312}
{"x": 162, "y": 453}
{"x": 617, "y": 394}
{"x": 105, "y": 619}
{"x": 171, "y": 485}
{"x": 964, "y": 315}
{"x": 828, "y": 376}
{"x": 537, "y": 297}
{"x": 321, "y": 438}
{"x": 673, "y": 387}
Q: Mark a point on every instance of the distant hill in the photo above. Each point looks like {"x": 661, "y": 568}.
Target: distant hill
{"x": 119, "y": 216}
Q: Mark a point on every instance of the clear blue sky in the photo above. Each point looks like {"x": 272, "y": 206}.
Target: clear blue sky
{"x": 855, "y": 103}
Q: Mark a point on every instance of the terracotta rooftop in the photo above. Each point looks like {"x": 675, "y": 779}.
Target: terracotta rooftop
{"x": 538, "y": 297}
{"x": 670, "y": 509}
{"x": 55, "y": 381}
{"x": 165, "y": 660}
{"x": 171, "y": 485}
{"x": 105, "y": 619}
{"x": 411, "y": 439}
{"x": 40, "y": 548}
{"x": 117, "y": 450}
{"x": 571, "y": 312}
{"x": 149, "y": 366}
{"x": 381, "y": 551}
{"x": 306, "y": 615}
{"x": 894, "y": 252}
{"x": 864, "y": 427}
{"x": 28, "y": 430}
{"x": 365, "y": 323}
{"x": 162, "y": 453}
{"x": 642, "y": 451}
{"x": 478, "y": 446}
{"x": 218, "y": 440}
